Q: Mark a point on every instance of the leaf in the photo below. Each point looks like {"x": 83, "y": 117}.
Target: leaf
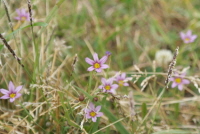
{"x": 42, "y": 24}
{"x": 144, "y": 110}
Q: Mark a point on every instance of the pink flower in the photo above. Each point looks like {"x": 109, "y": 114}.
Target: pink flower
{"x": 121, "y": 79}
{"x": 108, "y": 86}
{"x": 22, "y": 15}
{"x": 92, "y": 112}
{"x": 178, "y": 80}
{"x": 12, "y": 93}
{"x": 188, "y": 37}
{"x": 97, "y": 64}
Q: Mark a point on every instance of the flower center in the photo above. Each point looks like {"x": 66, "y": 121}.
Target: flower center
{"x": 93, "y": 114}
{"x": 121, "y": 83}
{"x": 107, "y": 87}
{"x": 97, "y": 65}
{"x": 12, "y": 95}
{"x": 23, "y": 18}
{"x": 178, "y": 80}
{"x": 187, "y": 39}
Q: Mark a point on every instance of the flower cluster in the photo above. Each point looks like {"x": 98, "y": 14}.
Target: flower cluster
{"x": 12, "y": 93}
{"x": 107, "y": 85}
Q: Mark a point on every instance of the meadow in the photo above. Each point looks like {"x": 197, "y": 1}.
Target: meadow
{"x": 99, "y": 67}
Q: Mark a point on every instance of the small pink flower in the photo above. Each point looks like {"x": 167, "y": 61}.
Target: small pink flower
{"x": 12, "y": 93}
{"x": 178, "y": 80}
{"x": 121, "y": 79}
{"x": 22, "y": 15}
{"x": 108, "y": 86}
{"x": 97, "y": 64}
{"x": 188, "y": 37}
{"x": 92, "y": 112}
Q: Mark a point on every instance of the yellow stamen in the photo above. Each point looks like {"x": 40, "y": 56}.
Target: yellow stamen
{"x": 178, "y": 80}
{"x": 121, "y": 83}
{"x": 107, "y": 87}
{"x": 97, "y": 65}
{"x": 93, "y": 114}
{"x": 187, "y": 39}
{"x": 23, "y": 18}
{"x": 12, "y": 95}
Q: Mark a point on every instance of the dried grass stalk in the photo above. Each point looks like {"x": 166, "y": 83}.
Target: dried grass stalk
{"x": 11, "y": 50}
{"x": 171, "y": 67}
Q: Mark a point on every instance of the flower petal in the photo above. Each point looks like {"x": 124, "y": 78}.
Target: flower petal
{"x": 91, "y": 106}
{"x": 123, "y": 76}
{"x": 112, "y": 91}
{"x": 95, "y": 56}
{"x": 4, "y": 91}
{"x": 115, "y": 86}
{"x": 23, "y": 11}
{"x": 98, "y": 70}
{"x": 182, "y": 35}
{"x": 103, "y": 59}
{"x": 174, "y": 84}
{"x": 18, "y": 11}
{"x": 17, "y": 18}
{"x": 18, "y": 95}
{"x": 98, "y": 108}
{"x": 90, "y": 68}
{"x": 87, "y": 110}
{"x": 182, "y": 75}
{"x": 100, "y": 87}
{"x": 12, "y": 99}
{"x": 18, "y": 88}
{"x": 103, "y": 80}
{"x": 126, "y": 84}
{"x": 110, "y": 81}
{"x": 193, "y": 38}
{"x": 171, "y": 79}
{"x": 117, "y": 78}
{"x": 89, "y": 61}
{"x": 99, "y": 114}
{"x": 104, "y": 66}
{"x": 180, "y": 87}
{"x": 28, "y": 18}
{"x": 94, "y": 119}
{"x": 11, "y": 87}
{"x": 189, "y": 33}
{"x": 185, "y": 81}
{"x": 88, "y": 116}
{"x": 5, "y": 97}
